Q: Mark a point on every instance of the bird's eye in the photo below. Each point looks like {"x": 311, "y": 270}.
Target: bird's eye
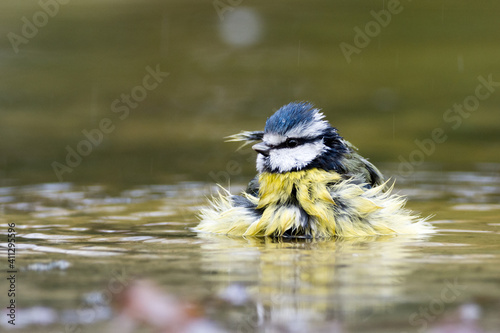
{"x": 291, "y": 143}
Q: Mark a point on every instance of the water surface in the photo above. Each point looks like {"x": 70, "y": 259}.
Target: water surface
{"x": 79, "y": 246}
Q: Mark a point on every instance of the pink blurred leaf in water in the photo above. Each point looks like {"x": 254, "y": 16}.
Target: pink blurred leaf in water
{"x": 463, "y": 320}
{"x": 144, "y": 303}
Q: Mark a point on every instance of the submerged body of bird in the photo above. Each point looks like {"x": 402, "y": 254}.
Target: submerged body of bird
{"x": 311, "y": 183}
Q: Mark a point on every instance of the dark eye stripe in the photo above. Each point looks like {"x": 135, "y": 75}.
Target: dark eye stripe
{"x": 300, "y": 141}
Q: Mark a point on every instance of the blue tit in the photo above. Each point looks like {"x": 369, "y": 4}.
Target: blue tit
{"x": 310, "y": 183}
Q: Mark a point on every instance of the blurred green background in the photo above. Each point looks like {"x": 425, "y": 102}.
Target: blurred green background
{"x": 231, "y": 64}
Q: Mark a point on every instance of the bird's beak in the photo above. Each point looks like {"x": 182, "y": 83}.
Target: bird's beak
{"x": 262, "y": 148}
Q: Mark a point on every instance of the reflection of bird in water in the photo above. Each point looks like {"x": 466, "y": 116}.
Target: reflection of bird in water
{"x": 311, "y": 183}
{"x": 320, "y": 282}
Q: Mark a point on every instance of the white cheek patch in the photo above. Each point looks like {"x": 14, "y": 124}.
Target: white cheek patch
{"x": 287, "y": 159}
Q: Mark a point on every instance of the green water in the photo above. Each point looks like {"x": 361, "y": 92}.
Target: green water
{"x": 112, "y": 119}
{"x": 76, "y": 243}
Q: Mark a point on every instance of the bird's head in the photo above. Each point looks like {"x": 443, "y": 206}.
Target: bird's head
{"x": 297, "y": 137}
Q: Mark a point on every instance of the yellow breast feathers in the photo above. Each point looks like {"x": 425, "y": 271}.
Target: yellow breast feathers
{"x": 313, "y": 203}
{"x": 283, "y": 196}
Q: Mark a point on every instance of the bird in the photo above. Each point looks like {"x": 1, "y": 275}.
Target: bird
{"x": 311, "y": 183}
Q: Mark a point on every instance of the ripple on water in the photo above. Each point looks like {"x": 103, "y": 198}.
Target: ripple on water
{"x": 135, "y": 238}
{"x": 4, "y": 199}
{"x": 169, "y": 241}
{"x": 122, "y": 217}
{"x": 77, "y": 229}
{"x": 161, "y": 213}
{"x": 143, "y": 228}
{"x": 40, "y": 226}
{"x": 477, "y": 207}
{"x": 50, "y": 237}
{"x": 468, "y": 231}
{"x": 58, "y": 264}
{"x": 34, "y": 316}
{"x": 112, "y": 231}
{"x": 53, "y": 213}
{"x": 464, "y": 187}
{"x": 462, "y": 258}
{"x": 104, "y": 209}
{"x": 163, "y": 223}
{"x": 89, "y": 251}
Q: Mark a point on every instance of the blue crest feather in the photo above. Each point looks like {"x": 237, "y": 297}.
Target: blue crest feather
{"x": 290, "y": 116}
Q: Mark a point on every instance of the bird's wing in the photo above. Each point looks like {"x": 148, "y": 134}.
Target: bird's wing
{"x": 358, "y": 165}
{"x": 253, "y": 186}
{"x": 375, "y": 177}
{"x": 244, "y": 200}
